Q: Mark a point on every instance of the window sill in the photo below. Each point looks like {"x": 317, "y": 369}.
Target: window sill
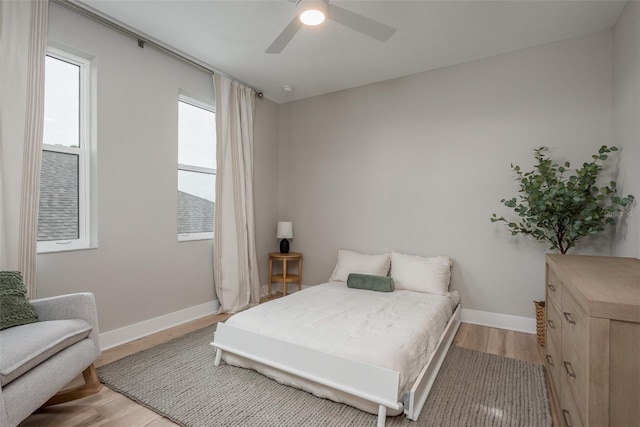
{"x": 64, "y": 249}
{"x": 194, "y": 237}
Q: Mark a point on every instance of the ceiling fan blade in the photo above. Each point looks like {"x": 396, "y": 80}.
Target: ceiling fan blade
{"x": 355, "y": 21}
{"x": 285, "y": 36}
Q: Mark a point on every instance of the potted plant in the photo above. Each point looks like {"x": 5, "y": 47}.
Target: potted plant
{"x": 559, "y": 207}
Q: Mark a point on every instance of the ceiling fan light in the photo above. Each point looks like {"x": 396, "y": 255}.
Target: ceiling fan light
{"x": 312, "y": 17}
{"x": 312, "y": 12}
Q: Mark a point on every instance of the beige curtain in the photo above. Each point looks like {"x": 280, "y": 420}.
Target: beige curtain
{"x": 23, "y": 43}
{"x": 235, "y": 265}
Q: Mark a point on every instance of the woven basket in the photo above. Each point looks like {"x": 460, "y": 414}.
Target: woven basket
{"x": 540, "y": 322}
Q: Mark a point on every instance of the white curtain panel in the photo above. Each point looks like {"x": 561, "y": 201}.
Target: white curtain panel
{"x": 23, "y": 43}
{"x": 235, "y": 264}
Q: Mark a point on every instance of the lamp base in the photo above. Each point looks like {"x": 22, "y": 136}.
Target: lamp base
{"x": 284, "y": 246}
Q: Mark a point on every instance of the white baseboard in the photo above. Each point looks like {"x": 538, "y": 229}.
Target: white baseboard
{"x": 129, "y": 333}
{"x": 264, "y": 289}
{"x": 498, "y": 320}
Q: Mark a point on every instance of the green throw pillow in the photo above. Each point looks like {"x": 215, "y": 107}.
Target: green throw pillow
{"x": 15, "y": 308}
{"x": 372, "y": 283}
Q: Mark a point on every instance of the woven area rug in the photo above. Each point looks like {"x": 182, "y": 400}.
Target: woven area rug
{"x": 178, "y": 380}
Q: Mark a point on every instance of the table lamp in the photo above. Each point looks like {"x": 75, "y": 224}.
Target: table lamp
{"x": 285, "y": 231}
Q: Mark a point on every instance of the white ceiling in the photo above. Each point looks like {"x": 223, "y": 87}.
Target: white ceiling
{"x": 232, "y": 36}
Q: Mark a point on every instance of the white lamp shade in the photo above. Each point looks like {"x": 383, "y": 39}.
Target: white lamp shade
{"x": 285, "y": 230}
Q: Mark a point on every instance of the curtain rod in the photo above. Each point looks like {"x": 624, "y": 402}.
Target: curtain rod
{"x": 144, "y": 40}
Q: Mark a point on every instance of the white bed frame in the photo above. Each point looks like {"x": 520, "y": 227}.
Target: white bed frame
{"x": 369, "y": 382}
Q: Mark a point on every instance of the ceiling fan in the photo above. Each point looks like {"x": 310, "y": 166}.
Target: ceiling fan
{"x": 314, "y": 12}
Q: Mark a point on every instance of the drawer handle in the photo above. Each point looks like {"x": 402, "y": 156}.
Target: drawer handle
{"x": 549, "y": 360}
{"x": 551, "y": 287}
{"x": 550, "y": 323}
{"x": 567, "y": 418}
{"x": 569, "y": 369}
{"x": 569, "y": 318}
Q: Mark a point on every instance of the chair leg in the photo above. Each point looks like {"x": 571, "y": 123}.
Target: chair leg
{"x": 91, "y": 386}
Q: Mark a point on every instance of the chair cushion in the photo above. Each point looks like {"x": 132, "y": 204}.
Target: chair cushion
{"x": 26, "y": 346}
{"x": 15, "y": 308}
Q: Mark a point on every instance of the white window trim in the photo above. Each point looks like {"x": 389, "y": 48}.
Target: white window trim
{"x": 200, "y": 169}
{"x": 83, "y": 152}
{"x": 187, "y": 237}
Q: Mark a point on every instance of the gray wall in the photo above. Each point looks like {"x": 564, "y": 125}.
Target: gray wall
{"x": 416, "y": 164}
{"x": 626, "y": 120}
{"x": 139, "y": 270}
{"x": 419, "y": 164}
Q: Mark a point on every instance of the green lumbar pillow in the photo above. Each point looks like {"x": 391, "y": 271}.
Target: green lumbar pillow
{"x": 15, "y": 308}
{"x": 372, "y": 283}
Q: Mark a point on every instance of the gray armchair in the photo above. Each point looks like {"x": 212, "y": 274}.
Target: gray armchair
{"x": 38, "y": 359}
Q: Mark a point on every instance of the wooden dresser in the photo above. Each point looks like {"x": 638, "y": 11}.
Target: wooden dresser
{"x": 593, "y": 339}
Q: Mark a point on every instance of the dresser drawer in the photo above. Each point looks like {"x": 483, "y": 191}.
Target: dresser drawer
{"x": 574, "y": 319}
{"x": 573, "y": 369}
{"x": 553, "y": 362}
{"x": 568, "y": 413}
{"x": 553, "y": 287}
{"x": 554, "y": 323}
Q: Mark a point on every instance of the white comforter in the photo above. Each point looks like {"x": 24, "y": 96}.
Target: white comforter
{"x": 396, "y": 330}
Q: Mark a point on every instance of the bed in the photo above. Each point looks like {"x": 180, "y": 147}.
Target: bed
{"x": 377, "y": 351}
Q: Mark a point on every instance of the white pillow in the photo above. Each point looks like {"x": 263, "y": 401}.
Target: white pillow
{"x": 420, "y": 274}
{"x": 355, "y": 262}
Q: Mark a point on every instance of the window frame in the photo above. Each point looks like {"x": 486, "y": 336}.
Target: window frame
{"x": 84, "y": 157}
{"x": 208, "y": 106}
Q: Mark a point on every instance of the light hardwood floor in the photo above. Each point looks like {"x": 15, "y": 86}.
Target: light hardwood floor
{"x": 108, "y": 408}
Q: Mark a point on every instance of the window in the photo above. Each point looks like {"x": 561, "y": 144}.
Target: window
{"x": 196, "y": 169}
{"x": 63, "y": 219}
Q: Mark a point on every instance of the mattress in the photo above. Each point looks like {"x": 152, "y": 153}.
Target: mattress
{"x": 395, "y": 330}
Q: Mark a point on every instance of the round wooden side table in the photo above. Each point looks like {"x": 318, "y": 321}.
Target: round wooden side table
{"x": 285, "y": 277}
